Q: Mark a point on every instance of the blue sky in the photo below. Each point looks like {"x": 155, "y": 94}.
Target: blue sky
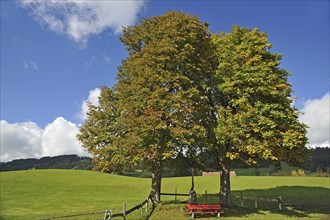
{"x": 55, "y": 55}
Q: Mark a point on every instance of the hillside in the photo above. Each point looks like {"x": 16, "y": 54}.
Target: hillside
{"x": 320, "y": 163}
{"x": 57, "y": 162}
{"x": 35, "y": 194}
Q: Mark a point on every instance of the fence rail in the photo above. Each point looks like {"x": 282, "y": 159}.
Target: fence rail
{"x": 256, "y": 199}
{"x": 72, "y": 215}
{"x": 108, "y": 214}
{"x": 240, "y": 197}
{"x": 174, "y": 194}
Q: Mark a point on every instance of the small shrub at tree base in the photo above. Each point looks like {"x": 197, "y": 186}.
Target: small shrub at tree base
{"x": 299, "y": 172}
{"x": 294, "y": 173}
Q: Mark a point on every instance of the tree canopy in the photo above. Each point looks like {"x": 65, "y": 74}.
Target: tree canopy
{"x": 159, "y": 105}
{"x": 182, "y": 92}
{"x": 256, "y": 116}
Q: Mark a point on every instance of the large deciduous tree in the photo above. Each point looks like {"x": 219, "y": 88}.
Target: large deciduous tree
{"x": 256, "y": 116}
{"x": 162, "y": 88}
{"x": 159, "y": 106}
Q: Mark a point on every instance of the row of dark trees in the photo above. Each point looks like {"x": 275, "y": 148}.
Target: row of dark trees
{"x": 320, "y": 162}
{"x": 185, "y": 92}
{"x": 57, "y": 162}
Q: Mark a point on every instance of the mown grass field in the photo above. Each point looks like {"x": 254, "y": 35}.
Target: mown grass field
{"x": 36, "y": 194}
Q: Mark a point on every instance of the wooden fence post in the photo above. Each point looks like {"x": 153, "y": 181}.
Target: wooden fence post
{"x": 242, "y": 203}
{"x": 141, "y": 208}
{"x": 176, "y": 191}
{"x": 279, "y": 201}
{"x": 124, "y": 210}
{"x": 206, "y": 196}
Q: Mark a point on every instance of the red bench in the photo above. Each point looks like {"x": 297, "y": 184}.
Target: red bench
{"x": 202, "y": 209}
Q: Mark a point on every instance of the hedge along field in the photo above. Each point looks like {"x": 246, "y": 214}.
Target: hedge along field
{"x": 37, "y": 194}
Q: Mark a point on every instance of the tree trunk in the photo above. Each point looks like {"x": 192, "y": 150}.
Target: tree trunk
{"x": 225, "y": 193}
{"x": 156, "y": 181}
{"x": 192, "y": 180}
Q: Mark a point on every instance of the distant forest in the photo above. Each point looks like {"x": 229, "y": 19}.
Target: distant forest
{"x": 58, "y": 162}
{"x": 320, "y": 162}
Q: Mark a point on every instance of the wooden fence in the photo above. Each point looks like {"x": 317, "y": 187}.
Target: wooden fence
{"x": 257, "y": 199}
{"x": 108, "y": 213}
{"x": 242, "y": 198}
{"x": 175, "y": 194}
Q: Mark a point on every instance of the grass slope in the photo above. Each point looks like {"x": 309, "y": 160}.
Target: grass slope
{"x": 37, "y": 194}
{"x": 46, "y": 193}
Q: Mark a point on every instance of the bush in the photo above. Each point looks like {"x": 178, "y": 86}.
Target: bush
{"x": 320, "y": 174}
{"x": 299, "y": 172}
{"x": 294, "y": 173}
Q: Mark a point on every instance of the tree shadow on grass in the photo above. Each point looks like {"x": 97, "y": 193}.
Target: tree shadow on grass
{"x": 153, "y": 207}
{"x": 238, "y": 211}
{"x": 298, "y": 201}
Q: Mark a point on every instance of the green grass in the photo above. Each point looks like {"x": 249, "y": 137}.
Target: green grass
{"x": 38, "y": 194}
{"x": 312, "y": 192}
{"x": 46, "y": 193}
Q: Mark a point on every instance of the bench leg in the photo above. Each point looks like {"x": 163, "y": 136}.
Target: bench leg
{"x": 192, "y": 215}
{"x": 219, "y": 215}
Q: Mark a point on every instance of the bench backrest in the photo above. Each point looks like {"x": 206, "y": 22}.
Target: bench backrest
{"x": 203, "y": 206}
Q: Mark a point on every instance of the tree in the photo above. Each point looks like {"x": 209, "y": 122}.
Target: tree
{"x": 101, "y": 134}
{"x": 161, "y": 87}
{"x": 256, "y": 117}
{"x": 159, "y": 106}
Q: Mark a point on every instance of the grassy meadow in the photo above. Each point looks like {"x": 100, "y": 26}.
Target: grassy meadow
{"x": 36, "y": 194}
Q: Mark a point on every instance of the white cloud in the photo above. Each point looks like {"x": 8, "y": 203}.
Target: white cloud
{"x": 59, "y": 137}
{"x": 93, "y": 98}
{"x": 106, "y": 59}
{"x": 92, "y": 61}
{"x": 28, "y": 140}
{"x": 316, "y": 114}
{"x": 30, "y": 65}
{"x": 20, "y": 140}
{"x": 79, "y": 20}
